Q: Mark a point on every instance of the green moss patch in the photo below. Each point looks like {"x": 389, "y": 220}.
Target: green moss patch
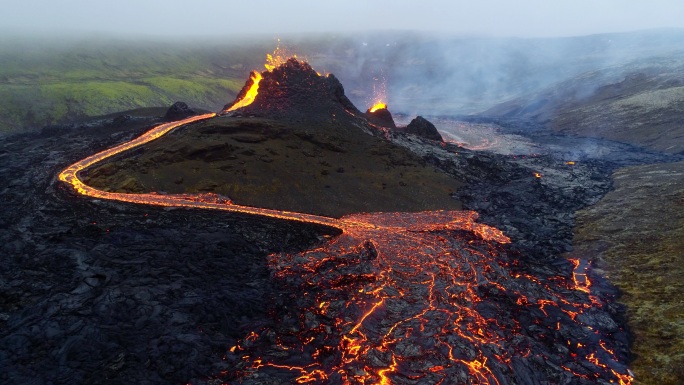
{"x": 637, "y": 234}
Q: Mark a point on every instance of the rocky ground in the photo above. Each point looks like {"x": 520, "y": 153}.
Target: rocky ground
{"x": 533, "y": 198}
{"x": 98, "y": 292}
{"x": 95, "y": 291}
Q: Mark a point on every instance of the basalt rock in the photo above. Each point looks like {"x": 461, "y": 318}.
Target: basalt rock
{"x": 381, "y": 117}
{"x": 100, "y": 292}
{"x": 179, "y": 110}
{"x": 423, "y": 128}
{"x": 112, "y": 292}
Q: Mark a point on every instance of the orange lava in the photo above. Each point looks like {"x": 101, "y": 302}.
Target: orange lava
{"x": 393, "y": 289}
{"x": 279, "y": 56}
{"x": 251, "y": 94}
{"x": 378, "y": 106}
{"x": 399, "y": 295}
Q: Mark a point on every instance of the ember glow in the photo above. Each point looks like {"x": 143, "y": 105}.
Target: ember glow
{"x": 429, "y": 297}
{"x": 279, "y": 56}
{"x": 416, "y": 303}
{"x": 378, "y": 106}
{"x": 379, "y": 93}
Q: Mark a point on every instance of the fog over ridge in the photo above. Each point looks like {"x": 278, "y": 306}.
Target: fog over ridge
{"x": 529, "y": 18}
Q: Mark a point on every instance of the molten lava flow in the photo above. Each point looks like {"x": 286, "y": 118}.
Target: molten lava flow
{"x": 429, "y": 297}
{"x": 416, "y": 298}
{"x": 378, "y": 106}
{"x": 208, "y": 201}
{"x": 251, "y": 93}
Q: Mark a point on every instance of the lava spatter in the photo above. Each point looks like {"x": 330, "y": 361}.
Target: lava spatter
{"x": 377, "y": 106}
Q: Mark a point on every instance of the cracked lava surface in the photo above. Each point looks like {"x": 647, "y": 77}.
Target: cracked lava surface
{"x": 428, "y": 297}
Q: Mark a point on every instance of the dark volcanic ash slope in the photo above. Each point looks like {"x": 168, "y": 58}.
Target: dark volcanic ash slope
{"x": 300, "y": 146}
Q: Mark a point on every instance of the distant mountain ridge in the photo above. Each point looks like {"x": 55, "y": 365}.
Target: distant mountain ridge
{"x": 52, "y": 80}
{"x": 641, "y": 103}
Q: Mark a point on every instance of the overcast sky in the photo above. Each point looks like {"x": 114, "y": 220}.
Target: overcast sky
{"x": 526, "y": 18}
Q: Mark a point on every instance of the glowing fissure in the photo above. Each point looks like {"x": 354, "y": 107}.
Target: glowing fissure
{"x": 397, "y": 294}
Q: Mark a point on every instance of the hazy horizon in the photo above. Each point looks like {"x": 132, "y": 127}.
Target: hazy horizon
{"x": 490, "y": 18}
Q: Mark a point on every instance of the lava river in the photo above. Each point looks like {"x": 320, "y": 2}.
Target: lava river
{"x": 425, "y": 298}
{"x": 408, "y": 298}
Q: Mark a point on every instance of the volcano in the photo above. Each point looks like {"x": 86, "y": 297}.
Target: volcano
{"x": 299, "y": 145}
{"x": 381, "y": 116}
{"x": 426, "y": 295}
{"x": 294, "y": 90}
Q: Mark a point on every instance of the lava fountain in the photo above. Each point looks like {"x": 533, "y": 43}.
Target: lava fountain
{"x": 251, "y": 89}
{"x": 377, "y": 106}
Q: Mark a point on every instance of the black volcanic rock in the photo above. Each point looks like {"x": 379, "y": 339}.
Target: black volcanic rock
{"x": 179, "y": 110}
{"x": 423, "y": 128}
{"x": 139, "y": 294}
{"x": 295, "y": 90}
{"x": 381, "y": 117}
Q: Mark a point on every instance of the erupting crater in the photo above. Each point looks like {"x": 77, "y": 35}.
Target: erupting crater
{"x": 429, "y": 297}
{"x": 300, "y": 145}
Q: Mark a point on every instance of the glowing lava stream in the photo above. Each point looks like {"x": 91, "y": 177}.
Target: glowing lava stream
{"x": 251, "y": 93}
{"x": 393, "y": 287}
{"x": 211, "y": 201}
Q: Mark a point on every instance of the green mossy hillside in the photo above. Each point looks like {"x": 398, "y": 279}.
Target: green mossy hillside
{"x": 637, "y": 234}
